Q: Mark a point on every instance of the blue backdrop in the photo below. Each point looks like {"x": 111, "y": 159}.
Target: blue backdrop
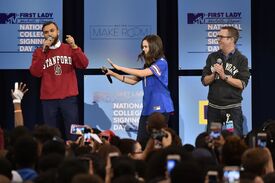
{"x": 114, "y": 29}
{"x": 115, "y": 106}
{"x": 199, "y": 22}
{"x": 20, "y": 27}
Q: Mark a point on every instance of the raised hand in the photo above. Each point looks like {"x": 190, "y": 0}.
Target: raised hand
{"x": 115, "y": 66}
{"x": 70, "y": 41}
{"x": 18, "y": 92}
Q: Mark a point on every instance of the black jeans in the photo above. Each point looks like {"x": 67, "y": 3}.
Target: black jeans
{"x": 61, "y": 110}
{"x": 219, "y": 115}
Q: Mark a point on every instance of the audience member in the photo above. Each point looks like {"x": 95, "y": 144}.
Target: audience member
{"x": 246, "y": 177}
{"x": 42, "y": 157}
{"x": 155, "y": 122}
{"x": 122, "y": 165}
{"x": 96, "y": 164}
{"x": 202, "y": 140}
{"x": 130, "y": 148}
{"x": 126, "y": 179}
{"x": 257, "y": 161}
{"x": 188, "y": 147}
{"x": 5, "y": 168}
{"x": 106, "y": 149}
{"x": 68, "y": 169}
{"x": 232, "y": 151}
{"x": 269, "y": 128}
{"x": 85, "y": 178}
{"x": 188, "y": 171}
{"x": 25, "y": 157}
{"x": 4, "y": 179}
{"x": 49, "y": 162}
{"x": 269, "y": 178}
{"x": 106, "y": 135}
{"x": 55, "y": 145}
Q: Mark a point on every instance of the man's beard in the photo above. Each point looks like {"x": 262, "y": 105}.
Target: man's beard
{"x": 55, "y": 40}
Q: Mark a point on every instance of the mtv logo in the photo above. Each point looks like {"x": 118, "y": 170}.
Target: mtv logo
{"x": 195, "y": 18}
{"x": 7, "y": 18}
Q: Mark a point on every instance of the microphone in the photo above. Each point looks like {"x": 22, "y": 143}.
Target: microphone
{"x": 219, "y": 61}
{"x": 47, "y": 47}
{"x": 104, "y": 70}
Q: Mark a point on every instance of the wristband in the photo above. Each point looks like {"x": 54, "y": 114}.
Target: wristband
{"x": 16, "y": 101}
{"x": 18, "y": 110}
{"x": 123, "y": 78}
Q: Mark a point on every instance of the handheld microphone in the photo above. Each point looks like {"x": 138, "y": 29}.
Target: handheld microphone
{"x": 47, "y": 47}
{"x": 104, "y": 70}
{"x": 219, "y": 61}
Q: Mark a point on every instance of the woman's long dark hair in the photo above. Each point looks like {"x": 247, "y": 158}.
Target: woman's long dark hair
{"x": 155, "y": 50}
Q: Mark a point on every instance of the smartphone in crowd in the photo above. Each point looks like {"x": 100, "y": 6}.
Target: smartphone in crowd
{"x": 231, "y": 174}
{"x": 113, "y": 156}
{"x": 212, "y": 176}
{"x": 261, "y": 140}
{"x": 78, "y": 129}
{"x": 215, "y": 130}
{"x": 171, "y": 161}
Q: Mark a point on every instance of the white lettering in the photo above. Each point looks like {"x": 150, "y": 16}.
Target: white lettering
{"x": 31, "y": 34}
{"x": 31, "y": 41}
{"x": 25, "y": 48}
{"x": 127, "y": 105}
{"x": 30, "y": 27}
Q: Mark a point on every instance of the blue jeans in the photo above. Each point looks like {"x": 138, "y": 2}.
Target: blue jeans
{"x": 219, "y": 115}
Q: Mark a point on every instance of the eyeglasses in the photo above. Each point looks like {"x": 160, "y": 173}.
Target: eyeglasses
{"x": 221, "y": 37}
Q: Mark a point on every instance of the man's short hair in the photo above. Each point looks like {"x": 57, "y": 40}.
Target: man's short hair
{"x": 233, "y": 32}
{"x": 48, "y": 23}
{"x": 255, "y": 160}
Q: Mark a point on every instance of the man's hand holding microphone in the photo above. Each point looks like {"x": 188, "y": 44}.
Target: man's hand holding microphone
{"x": 47, "y": 43}
{"x": 218, "y": 69}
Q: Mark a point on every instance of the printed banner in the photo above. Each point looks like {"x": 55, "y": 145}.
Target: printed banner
{"x": 199, "y": 23}
{"x": 115, "y": 106}
{"x": 114, "y": 29}
{"x": 20, "y": 25}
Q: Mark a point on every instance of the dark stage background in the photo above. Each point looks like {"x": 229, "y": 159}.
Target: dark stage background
{"x": 263, "y": 62}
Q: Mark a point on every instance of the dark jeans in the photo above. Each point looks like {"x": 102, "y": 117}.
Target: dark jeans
{"x": 219, "y": 115}
{"x": 142, "y": 135}
{"x": 61, "y": 110}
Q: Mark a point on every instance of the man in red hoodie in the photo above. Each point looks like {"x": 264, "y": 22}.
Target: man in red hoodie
{"x": 55, "y": 64}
